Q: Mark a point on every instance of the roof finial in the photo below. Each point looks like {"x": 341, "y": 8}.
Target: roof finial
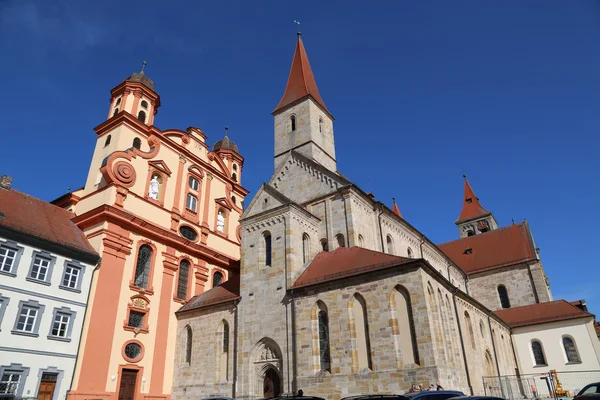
{"x": 143, "y": 66}
{"x": 298, "y": 33}
{"x": 394, "y": 200}
{"x": 226, "y": 130}
{"x": 465, "y": 176}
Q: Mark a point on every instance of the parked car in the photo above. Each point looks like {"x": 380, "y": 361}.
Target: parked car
{"x": 591, "y": 391}
{"x": 296, "y": 398}
{"x": 217, "y": 398}
{"x": 425, "y": 395}
{"x": 476, "y": 398}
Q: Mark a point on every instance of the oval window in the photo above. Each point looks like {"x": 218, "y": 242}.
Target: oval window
{"x": 188, "y": 233}
{"x": 133, "y": 350}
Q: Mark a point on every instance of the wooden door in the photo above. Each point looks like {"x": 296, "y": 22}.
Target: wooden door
{"x": 271, "y": 386}
{"x": 127, "y": 389}
{"x": 46, "y": 391}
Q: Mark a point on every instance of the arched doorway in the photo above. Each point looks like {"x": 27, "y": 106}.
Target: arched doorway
{"x": 271, "y": 384}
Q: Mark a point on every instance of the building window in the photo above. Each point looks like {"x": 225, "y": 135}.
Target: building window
{"x": 223, "y": 351}
{"x": 320, "y": 125}
{"x": 233, "y": 200}
{"x": 217, "y": 279}
{"x": 361, "y": 241}
{"x": 324, "y": 245}
{"x": 71, "y": 278}
{"x": 41, "y": 267}
{"x": 142, "y": 268}
{"x": 62, "y": 324}
{"x": 194, "y": 184}
{"x": 470, "y": 233}
{"x": 3, "y": 304}
{"x": 191, "y": 202}
{"x": 182, "y": 280}
{"x": 402, "y": 327}
{"x": 305, "y": 248}
{"x": 118, "y": 101}
{"x": 188, "y": 233}
{"x": 116, "y": 111}
{"x": 9, "y": 258}
{"x": 340, "y": 240}
{"x": 235, "y": 167}
{"x": 136, "y": 319}
{"x": 538, "y": 353}
{"x": 390, "y": 245}
{"x": 293, "y": 122}
{"x": 12, "y": 379}
{"x": 267, "y": 239}
{"x": 142, "y": 116}
{"x": 358, "y": 317}
{"x": 188, "y": 345}
{"x": 409, "y": 252}
{"x": 503, "y": 294}
{"x": 324, "y": 354}
{"x": 470, "y": 329}
{"x": 107, "y": 141}
{"x": 144, "y": 104}
{"x": 137, "y": 143}
{"x": 133, "y": 352}
{"x": 481, "y": 329}
{"x": 28, "y": 318}
{"x": 234, "y": 177}
{"x": 570, "y": 350}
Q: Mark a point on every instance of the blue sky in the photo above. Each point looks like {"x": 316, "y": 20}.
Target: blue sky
{"x": 506, "y": 92}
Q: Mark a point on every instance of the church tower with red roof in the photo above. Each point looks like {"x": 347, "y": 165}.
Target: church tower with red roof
{"x": 473, "y": 218}
{"x": 302, "y": 121}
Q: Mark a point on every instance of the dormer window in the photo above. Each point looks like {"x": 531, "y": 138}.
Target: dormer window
{"x": 144, "y": 104}
{"x": 142, "y": 116}
{"x": 293, "y": 122}
{"x": 468, "y": 251}
{"x": 469, "y": 200}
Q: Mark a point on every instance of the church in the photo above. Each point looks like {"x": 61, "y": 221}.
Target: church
{"x": 337, "y": 294}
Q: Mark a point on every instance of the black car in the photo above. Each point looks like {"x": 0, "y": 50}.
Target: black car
{"x": 424, "y": 395}
{"x": 476, "y": 398}
{"x": 591, "y": 391}
{"x": 295, "y": 398}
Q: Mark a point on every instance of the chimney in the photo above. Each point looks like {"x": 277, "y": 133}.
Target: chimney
{"x": 5, "y": 182}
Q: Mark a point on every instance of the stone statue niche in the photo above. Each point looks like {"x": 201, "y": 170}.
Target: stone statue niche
{"x": 221, "y": 220}
{"x": 154, "y": 188}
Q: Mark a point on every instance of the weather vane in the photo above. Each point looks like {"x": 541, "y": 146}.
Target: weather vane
{"x": 143, "y": 66}
{"x": 298, "y": 22}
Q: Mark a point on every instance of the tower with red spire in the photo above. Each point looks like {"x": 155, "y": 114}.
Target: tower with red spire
{"x": 473, "y": 218}
{"x": 302, "y": 121}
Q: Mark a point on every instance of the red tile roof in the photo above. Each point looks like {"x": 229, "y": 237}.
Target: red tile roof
{"x": 34, "y": 217}
{"x": 301, "y": 82}
{"x": 225, "y": 292}
{"x": 396, "y": 210}
{"x": 344, "y": 262}
{"x": 471, "y": 206}
{"x": 540, "y": 313}
{"x": 493, "y": 249}
{"x": 597, "y": 327}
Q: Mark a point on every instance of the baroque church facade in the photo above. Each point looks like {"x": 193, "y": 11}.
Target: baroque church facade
{"x": 337, "y": 294}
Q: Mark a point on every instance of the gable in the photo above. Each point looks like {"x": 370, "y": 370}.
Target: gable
{"x": 161, "y": 166}
{"x": 301, "y": 179}
{"x": 267, "y": 198}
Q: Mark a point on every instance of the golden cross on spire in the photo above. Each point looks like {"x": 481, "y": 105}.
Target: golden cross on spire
{"x": 143, "y": 66}
{"x": 298, "y": 22}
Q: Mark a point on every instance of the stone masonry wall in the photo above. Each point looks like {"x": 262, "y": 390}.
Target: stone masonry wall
{"x": 484, "y": 286}
{"x": 200, "y": 378}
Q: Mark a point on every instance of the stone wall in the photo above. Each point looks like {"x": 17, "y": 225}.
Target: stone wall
{"x": 204, "y": 375}
{"x": 516, "y": 279}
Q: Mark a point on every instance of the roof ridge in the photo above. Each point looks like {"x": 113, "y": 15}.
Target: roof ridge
{"x": 504, "y": 228}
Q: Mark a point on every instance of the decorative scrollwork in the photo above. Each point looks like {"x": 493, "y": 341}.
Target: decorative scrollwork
{"x": 124, "y": 173}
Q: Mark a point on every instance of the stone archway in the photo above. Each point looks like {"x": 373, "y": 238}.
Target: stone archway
{"x": 271, "y": 383}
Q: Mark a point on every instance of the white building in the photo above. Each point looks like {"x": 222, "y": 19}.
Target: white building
{"x": 46, "y": 267}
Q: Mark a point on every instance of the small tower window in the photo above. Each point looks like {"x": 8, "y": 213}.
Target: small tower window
{"x": 107, "y": 141}
{"x": 390, "y": 245}
{"x": 305, "y": 248}
{"x": 142, "y": 116}
{"x": 470, "y": 232}
{"x": 361, "y": 241}
{"x": 340, "y": 240}
{"x": 118, "y": 102}
{"x": 320, "y": 125}
{"x": 116, "y": 111}
{"x": 234, "y": 177}
{"x": 324, "y": 245}
{"x": 409, "y": 252}
{"x": 235, "y": 167}
{"x": 233, "y": 200}
{"x": 144, "y": 104}
{"x": 217, "y": 279}
{"x": 293, "y": 122}
{"x": 503, "y": 294}
{"x": 267, "y": 238}
{"x": 137, "y": 143}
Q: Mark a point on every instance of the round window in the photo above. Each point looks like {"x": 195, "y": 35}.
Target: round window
{"x": 188, "y": 233}
{"x": 133, "y": 350}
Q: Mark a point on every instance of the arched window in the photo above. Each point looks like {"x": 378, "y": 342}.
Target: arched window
{"x": 340, "y": 240}
{"x": 570, "y": 350}
{"x": 470, "y": 232}
{"x": 390, "y": 244}
{"x": 188, "y": 345}
{"x": 267, "y": 239}
{"x": 191, "y": 202}
{"x": 116, "y": 111}
{"x": 402, "y": 326}
{"x": 320, "y": 125}
{"x": 235, "y": 167}
{"x": 305, "y": 248}
{"x": 233, "y": 200}
{"x": 481, "y": 329}
{"x": 137, "y": 143}
{"x": 293, "y": 122}
{"x": 223, "y": 351}
{"x": 142, "y": 116}
{"x": 144, "y": 104}
{"x": 182, "y": 280}
{"x": 409, "y": 252}
{"x": 324, "y": 245}
{"x": 107, "y": 141}
{"x": 118, "y": 101}
{"x": 234, "y": 176}
{"x": 503, "y": 293}
{"x": 361, "y": 326}
{"x": 470, "y": 329}
{"x": 217, "y": 279}
{"x": 361, "y": 241}
{"x": 142, "y": 268}
{"x": 324, "y": 354}
{"x": 489, "y": 364}
{"x": 538, "y": 352}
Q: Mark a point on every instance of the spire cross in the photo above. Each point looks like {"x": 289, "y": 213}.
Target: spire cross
{"x": 226, "y": 131}
{"x": 394, "y": 199}
{"x": 143, "y": 66}
{"x": 298, "y": 22}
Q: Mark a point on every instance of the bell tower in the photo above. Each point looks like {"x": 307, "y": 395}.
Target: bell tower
{"x": 302, "y": 121}
{"x": 136, "y": 96}
{"x": 473, "y": 218}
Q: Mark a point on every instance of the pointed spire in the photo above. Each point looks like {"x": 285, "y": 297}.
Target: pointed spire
{"x": 301, "y": 81}
{"x": 395, "y": 208}
{"x": 471, "y": 206}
